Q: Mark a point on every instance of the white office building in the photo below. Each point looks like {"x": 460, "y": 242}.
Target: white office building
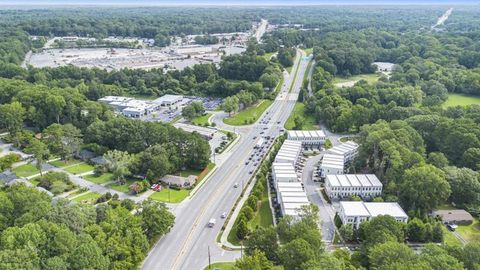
{"x": 348, "y": 150}
{"x": 168, "y": 100}
{"x": 291, "y": 197}
{"x": 289, "y": 152}
{"x": 354, "y": 213}
{"x": 309, "y": 138}
{"x": 332, "y": 164}
{"x": 130, "y": 107}
{"x": 283, "y": 172}
{"x": 347, "y": 185}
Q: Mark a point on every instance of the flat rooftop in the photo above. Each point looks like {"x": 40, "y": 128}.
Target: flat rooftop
{"x": 373, "y": 209}
{"x": 354, "y": 180}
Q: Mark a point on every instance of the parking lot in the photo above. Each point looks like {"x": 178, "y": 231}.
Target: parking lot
{"x": 169, "y": 114}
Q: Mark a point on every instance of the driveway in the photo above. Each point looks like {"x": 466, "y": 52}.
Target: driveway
{"x": 326, "y": 211}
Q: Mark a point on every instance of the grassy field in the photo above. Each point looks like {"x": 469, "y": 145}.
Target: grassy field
{"x": 308, "y": 51}
{"x": 89, "y": 197}
{"x": 471, "y": 233}
{"x": 299, "y": 110}
{"x": 64, "y": 163}
{"x": 460, "y": 100}
{"x": 176, "y": 196}
{"x": 26, "y": 170}
{"x": 221, "y": 266}
{"x": 201, "y": 120}
{"x": 79, "y": 168}
{"x": 99, "y": 179}
{"x": 249, "y": 115}
{"x": 370, "y": 78}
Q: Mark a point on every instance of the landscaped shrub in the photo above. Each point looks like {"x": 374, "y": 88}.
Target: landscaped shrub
{"x": 7, "y": 161}
{"x": 55, "y": 182}
{"x": 248, "y": 212}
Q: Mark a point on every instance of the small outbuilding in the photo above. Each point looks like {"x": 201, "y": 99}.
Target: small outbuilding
{"x": 454, "y": 216}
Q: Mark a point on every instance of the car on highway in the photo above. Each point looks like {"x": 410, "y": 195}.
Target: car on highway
{"x": 224, "y": 215}
{"x": 235, "y": 185}
{"x": 250, "y": 172}
{"x": 211, "y": 222}
{"x": 246, "y": 163}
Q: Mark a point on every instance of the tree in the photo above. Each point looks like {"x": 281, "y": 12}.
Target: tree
{"x": 231, "y": 104}
{"x": 255, "y": 261}
{"x": 156, "y": 219}
{"x": 416, "y": 230}
{"x": 384, "y": 255}
{"x": 87, "y": 255}
{"x": 64, "y": 140}
{"x": 424, "y": 188}
{"x": 439, "y": 259}
{"x": 242, "y": 229}
{"x": 437, "y": 159}
{"x": 40, "y": 152}
{"x": 264, "y": 240}
{"x": 299, "y": 121}
{"x": 295, "y": 253}
{"x": 471, "y": 158}
{"x": 381, "y": 229}
{"x": 118, "y": 163}
{"x": 465, "y": 185}
{"x": 12, "y": 116}
{"x": 346, "y": 231}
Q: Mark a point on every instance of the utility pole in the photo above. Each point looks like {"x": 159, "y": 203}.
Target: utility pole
{"x": 209, "y": 262}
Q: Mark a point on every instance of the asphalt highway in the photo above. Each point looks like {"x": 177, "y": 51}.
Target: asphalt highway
{"x": 186, "y": 246}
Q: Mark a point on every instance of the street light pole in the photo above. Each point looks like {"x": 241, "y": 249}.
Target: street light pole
{"x": 209, "y": 262}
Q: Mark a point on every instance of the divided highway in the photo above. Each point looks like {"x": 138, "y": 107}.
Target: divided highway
{"x": 186, "y": 246}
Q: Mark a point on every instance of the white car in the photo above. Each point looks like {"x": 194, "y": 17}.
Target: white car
{"x": 235, "y": 185}
{"x": 224, "y": 215}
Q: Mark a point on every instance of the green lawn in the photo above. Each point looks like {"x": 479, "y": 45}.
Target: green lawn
{"x": 25, "y": 170}
{"x": 309, "y": 122}
{"x": 267, "y": 56}
{"x": 460, "y": 100}
{"x": 289, "y": 69}
{"x": 370, "y": 78}
{"x": 263, "y": 217}
{"x": 122, "y": 188}
{"x": 176, "y": 196}
{"x": 249, "y": 115}
{"x": 201, "y": 120}
{"x": 65, "y": 163}
{"x": 89, "y": 197}
{"x": 34, "y": 180}
{"x": 221, "y": 266}
{"x": 449, "y": 238}
{"x": 471, "y": 233}
{"x": 308, "y": 51}
{"x": 79, "y": 168}
{"x": 99, "y": 179}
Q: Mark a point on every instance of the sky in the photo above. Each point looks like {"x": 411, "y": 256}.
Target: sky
{"x": 236, "y": 2}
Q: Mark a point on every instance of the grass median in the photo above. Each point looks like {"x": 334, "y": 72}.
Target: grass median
{"x": 249, "y": 115}
{"x": 309, "y": 122}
